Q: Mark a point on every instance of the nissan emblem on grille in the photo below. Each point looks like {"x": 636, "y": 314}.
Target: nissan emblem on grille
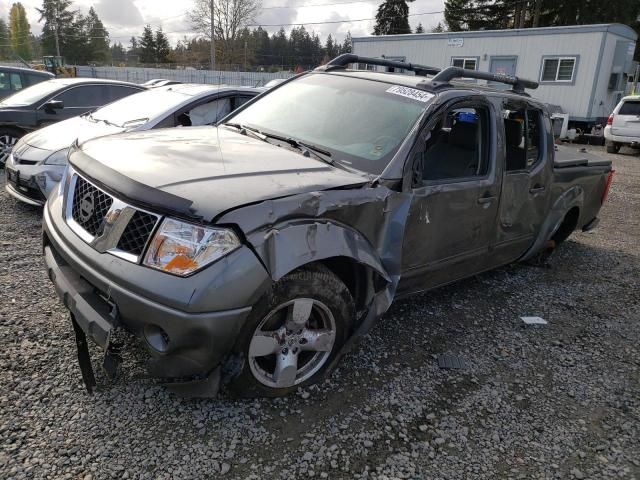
{"x": 87, "y": 205}
{"x": 108, "y": 224}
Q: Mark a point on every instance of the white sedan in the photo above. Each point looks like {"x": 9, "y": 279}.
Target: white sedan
{"x": 38, "y": 159}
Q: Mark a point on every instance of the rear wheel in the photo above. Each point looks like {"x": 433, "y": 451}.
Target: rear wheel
{"x": 8, "y": 138}
{"x": 293, "y": 334}
{"x": 613, "y": 147}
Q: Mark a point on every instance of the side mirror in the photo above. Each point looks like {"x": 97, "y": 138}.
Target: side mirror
{"x": 53, "y": 105}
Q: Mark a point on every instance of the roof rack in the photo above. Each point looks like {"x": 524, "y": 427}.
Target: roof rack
{"x": 450, "y": 73}
{"x": 345, "y": 59}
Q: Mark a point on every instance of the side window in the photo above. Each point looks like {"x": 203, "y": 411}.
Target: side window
{"x": 523, "y": 137}
{"x": 534, "y": 137}
{"x": 5, "y": 82}
{"x": 16, "y": 82}
{"x": 83, "y": 96}
{"x": 116, "y": 92}
{"x": 458, "y": 146}
{"x": 240, "y": 100}
{"x": 33, "y": 79}
{"x": 208, "y": 113}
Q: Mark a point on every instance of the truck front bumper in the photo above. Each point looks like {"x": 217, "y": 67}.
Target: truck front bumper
{"x": 185, "y": 344}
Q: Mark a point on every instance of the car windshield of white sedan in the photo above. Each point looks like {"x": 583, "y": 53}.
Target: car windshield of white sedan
{"x": 33, "y": 94}
{"x": 144, "y": 105}
{"x": 362, "y": 123}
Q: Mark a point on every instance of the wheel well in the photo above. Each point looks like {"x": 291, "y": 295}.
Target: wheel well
{"x": 568, "y": 225}
{"x": 361, "y": 280}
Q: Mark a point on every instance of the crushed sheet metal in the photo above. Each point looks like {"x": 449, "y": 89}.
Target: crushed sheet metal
{"x": 534, "y": 320}
{"x": 451, "y": 361}
{"x": 365, "y": 224}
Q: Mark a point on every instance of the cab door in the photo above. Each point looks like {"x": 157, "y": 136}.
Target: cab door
{"x": 528, "y": 174}
{"x": 455, "y": 197}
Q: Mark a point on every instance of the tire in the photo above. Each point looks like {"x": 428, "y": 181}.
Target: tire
{"x": 278, "y": 354}
{"x": 613, "y": 147}
{"x": 8, "y": 138}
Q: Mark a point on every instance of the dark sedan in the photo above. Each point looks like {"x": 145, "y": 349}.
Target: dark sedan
{"x": 13, "y": 79}
{"x": 52, "y": 101}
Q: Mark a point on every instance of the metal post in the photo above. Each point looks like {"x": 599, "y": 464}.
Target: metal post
{"x": 213, "y": 36}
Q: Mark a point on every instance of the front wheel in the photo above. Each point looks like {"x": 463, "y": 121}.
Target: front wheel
{"x": 293, "y": 334}
{"x": 8, "y": 138}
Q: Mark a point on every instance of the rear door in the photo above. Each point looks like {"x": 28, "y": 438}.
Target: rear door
{"x": 528, "y": 173}
{"x": 455, "y": 191}
{"x": 626, "y": 122}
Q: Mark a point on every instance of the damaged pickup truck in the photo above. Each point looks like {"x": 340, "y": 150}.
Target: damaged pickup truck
{"x": 253, "y": 254}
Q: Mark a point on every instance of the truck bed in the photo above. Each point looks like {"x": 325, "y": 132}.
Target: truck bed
{"x": 567, "y": 157}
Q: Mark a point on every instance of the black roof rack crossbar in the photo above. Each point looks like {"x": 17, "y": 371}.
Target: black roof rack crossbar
{"x": 450, "y": 73}
{"x": 345, "y": 59}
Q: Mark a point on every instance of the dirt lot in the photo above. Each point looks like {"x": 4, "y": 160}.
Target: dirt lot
{"x": 554, "y": 401}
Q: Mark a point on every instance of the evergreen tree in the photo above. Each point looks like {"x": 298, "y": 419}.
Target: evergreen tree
{"x": 20, "y": 31}
{"x": 419, "y": 28}
{"x": 331, "y": 49}
{"x": 392, "y": 18}
{"x": 438, "y": 28}
{"x": 98, "y": 37}
{"x": 57, "y": 12}
{"x": 162, "y": 47}
{"x": 5, "y": 39}
{"x": 147, "y": 46}
{"x": 117, "y": 53}
{"x": 347, "y": 45}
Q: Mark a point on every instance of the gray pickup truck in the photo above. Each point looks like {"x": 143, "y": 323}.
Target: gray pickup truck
{"x": 254, "y": 253}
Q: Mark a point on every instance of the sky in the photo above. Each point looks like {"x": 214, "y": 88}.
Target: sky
{"x": 126, "y": 18}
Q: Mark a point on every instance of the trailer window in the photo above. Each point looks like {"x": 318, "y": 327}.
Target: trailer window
{"x": 558, "y": 69}
{"x": 468, "y": 63}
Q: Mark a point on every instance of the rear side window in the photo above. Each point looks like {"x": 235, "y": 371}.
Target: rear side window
{"x": 16, "y": 81}
{"x": 629, "y": 107}
{"x": 524, "y": 136}
{"x": 116, "y": 92}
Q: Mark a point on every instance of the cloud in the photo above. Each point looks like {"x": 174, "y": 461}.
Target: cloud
{"x": 120, "y": 13}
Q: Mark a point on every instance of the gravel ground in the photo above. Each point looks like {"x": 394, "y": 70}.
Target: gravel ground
{"x": 554, "y": 401}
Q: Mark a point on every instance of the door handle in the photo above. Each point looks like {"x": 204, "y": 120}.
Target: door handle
{"x": 537, "y": 189}
{"x": 486, "y": 200}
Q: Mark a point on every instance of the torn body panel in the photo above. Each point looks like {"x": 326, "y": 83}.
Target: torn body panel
{"x": 364, "y": 224}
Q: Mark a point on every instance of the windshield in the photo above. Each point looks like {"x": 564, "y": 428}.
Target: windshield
{"x": 360, "y": 122}
{"x": 33, "y": 94}
{"x": 140, "y": 106}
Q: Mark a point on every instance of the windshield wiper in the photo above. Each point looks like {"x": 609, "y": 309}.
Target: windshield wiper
{"x": 306, "y": 148}
{"x": 244, "y": 129}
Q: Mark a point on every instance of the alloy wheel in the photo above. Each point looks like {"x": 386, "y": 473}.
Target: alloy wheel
{"x": 292, "y": 343}
{"x": 6, "y": 145}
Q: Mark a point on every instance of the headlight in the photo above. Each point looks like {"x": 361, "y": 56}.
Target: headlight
{"x": 57, "y": 158}
{"x": 182, "y": 248}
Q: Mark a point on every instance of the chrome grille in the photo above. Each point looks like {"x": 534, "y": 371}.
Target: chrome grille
{"x": 90, "y": 205}
{"x": 106, "y": 223}
{"x": 136, "y": 235}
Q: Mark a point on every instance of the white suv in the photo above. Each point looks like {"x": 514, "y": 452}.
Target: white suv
{"x": 623, "y": 126}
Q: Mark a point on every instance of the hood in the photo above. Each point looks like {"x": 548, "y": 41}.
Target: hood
{"x": 62, "y": 134}
{"x": 215, "y": 169}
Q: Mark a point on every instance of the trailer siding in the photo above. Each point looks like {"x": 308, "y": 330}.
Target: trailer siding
{"x": 586, "y": 97}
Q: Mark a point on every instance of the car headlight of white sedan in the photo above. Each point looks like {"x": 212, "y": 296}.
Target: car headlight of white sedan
{"x": 182, "y": 248}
